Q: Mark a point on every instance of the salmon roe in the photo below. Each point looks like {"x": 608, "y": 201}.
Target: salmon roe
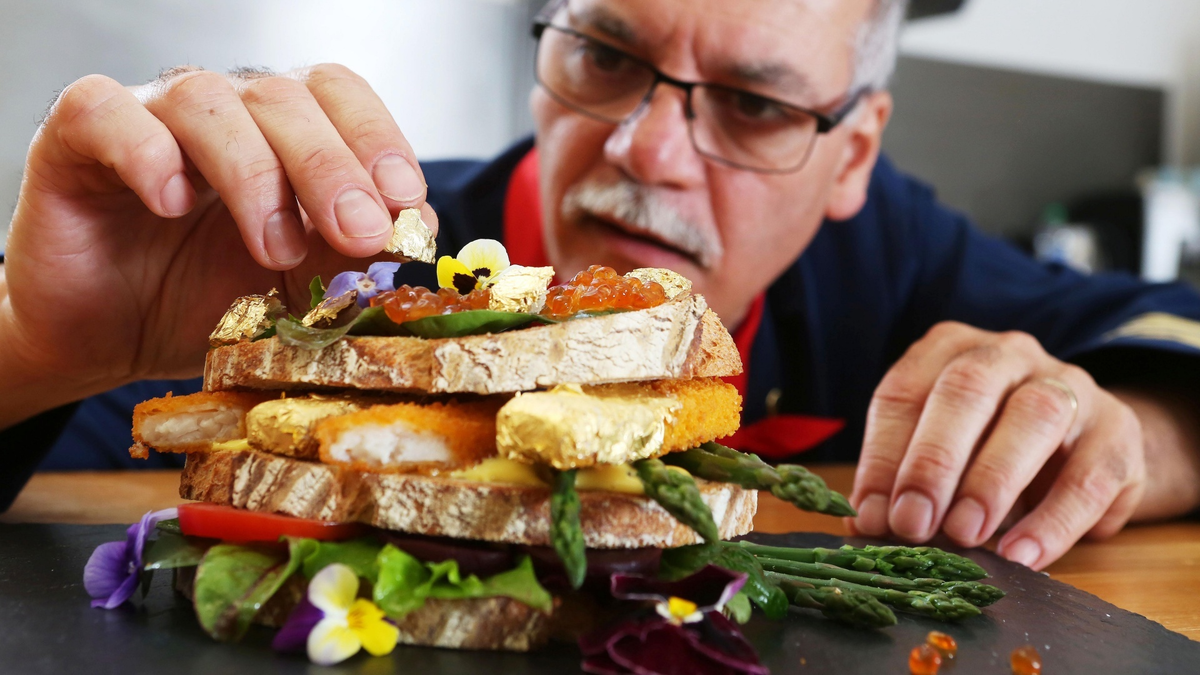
{"x": 945, "y": 644}
{"x": 409, "y": 304}
{"x": 599, "y": 289}
{"x": 924, "y": 660}
{"x": 1026, "y": 661}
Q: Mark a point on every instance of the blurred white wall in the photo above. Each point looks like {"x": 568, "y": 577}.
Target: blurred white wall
{"x": 454, "y": 73}
{"x": 1137, "y": 42}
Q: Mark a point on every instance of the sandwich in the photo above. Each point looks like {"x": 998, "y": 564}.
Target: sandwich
{"x": 485, "y": 463}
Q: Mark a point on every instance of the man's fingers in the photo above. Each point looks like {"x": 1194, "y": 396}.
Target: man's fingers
{"x": 220, "y": 137}
{"x": 892, "y": 418}
{"x": 98, "y": 120}
{"x": 335, "y": 190}
{"x": 1034, "y": 422}
{"x": 370, "y": 132}
{"x": 1097, "y": 489}
{"x": 962, "y": 404}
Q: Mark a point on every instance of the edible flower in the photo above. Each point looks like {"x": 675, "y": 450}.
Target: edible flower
{"x": 476, "y": 265}
{"x": 686, "y": 632}
{"x": 113, "y": 571}
{"x": 380, "y": 277}
{"x": 333, "y": 623}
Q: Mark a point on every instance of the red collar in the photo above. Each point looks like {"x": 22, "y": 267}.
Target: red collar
{"x": 777, "y": 436}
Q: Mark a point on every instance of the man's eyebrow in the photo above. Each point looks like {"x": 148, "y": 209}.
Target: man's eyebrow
{"x": 778, "y": 76}
{"x": 613, "y": 26}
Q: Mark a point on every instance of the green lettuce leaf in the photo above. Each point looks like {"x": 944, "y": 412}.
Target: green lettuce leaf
{"x": 316, "y": 290}
{"x": 359, "y": 555}
{"x": 234, "y": 582}
{"x": 471, "y": 322}
{"x": 738, "y": 608}
{"x": 405, "y": 583}
{"x": 172, "y": 550}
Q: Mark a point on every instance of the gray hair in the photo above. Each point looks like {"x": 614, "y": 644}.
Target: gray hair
{"x": 877, "y": 44}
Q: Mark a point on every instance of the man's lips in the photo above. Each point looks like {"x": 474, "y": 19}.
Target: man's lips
{"x": 623, "y": 229}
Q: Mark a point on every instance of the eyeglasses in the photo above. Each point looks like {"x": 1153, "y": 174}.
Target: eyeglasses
{"x": 727, "y": 125}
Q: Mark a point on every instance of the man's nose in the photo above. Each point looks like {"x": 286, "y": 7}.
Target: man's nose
{"x": 653, "y": 147}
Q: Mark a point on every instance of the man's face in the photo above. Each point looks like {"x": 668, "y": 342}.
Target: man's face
{"x": 731, "y": 231}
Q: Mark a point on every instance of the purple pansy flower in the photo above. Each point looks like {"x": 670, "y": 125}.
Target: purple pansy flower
{"x": 685, "y": 634}
{"x": 380, "y": 277}
{"x": 112, "y": 573}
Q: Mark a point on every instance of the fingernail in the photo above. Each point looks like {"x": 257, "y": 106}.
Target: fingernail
{"x": 283, "y": 238}
{"x": 912, "y": 516}
{"x": 872, "y": 515}
{"x": 1024, "y": 550}
{"x": 359, "y": 216}
{"x": 965, "y": 521}
{"x": 177, "y": 196}
{"x": 397, "y": 179}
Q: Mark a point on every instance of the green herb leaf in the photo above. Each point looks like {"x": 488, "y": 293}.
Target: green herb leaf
{"x": 295, "y": 334}
{"x": 684, "y": 561}
{"x": 173, "y": 550}
{"x": 739, "y": 608}
{"x": 374, "y": 321}
{"x": 171, "y": 526}
{"x": 359, "y": 555}
{"x": 232, "y": 584}
{"x": 316, "y": 291}
{"x": 765, "y": 593}
{"x": 405, "y": 583}
{"x": 470, "y": 322}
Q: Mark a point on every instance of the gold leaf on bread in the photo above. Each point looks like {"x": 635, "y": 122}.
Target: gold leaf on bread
{"x": 411, "y": 238}
{"x": 520, "y": 289}
{"x": 246, "y": 318}
{"x": 674, "y": 283}
{"x": 326, "y": 311}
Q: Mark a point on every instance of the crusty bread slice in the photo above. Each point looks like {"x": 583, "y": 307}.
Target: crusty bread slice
{"x": 193, "y": 422}
{"x": 681, "y": 338}
{"x": 446, "y": 507}
{"x": 478, "y": 623}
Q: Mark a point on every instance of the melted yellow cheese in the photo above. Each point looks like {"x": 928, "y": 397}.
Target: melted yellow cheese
{"x": 610, "y": 477}
{"x": 501, "y": 470}
{"x": 232, "y": 446}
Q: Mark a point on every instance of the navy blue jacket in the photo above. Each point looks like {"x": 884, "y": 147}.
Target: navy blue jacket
{"x": 834, "y": 322}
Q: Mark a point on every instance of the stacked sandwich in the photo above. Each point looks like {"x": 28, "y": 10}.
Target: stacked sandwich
{"x": 497, "y": 422}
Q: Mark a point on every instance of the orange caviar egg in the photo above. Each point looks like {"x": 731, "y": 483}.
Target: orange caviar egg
{"x": 924, "y": 660}
{"x": 409, "y": 304}
{"x": 1026, "y": 661}
{"x": 945, "y": 644}
{"x": 600, "y": 289}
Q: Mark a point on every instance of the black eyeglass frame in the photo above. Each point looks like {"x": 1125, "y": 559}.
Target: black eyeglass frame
{"x": 826, "y": 122}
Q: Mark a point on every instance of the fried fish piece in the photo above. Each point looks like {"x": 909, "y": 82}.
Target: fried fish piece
{"x": 192, "y": 423}
{"x": 412, "y": 437}
{"x": 576, "y": 426}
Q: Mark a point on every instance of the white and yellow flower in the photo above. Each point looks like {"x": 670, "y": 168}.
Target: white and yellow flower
{"x": 475, "y": 266}
{"x": 350, "y": 623}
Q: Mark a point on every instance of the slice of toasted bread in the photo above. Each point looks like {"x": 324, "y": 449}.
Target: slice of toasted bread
{"x": 446, "y": 507}
{"x": 193, "y": 422}
{"x": 681, "y": 338}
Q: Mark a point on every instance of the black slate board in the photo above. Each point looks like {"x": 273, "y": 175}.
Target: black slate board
{"x": 47, "y": 626}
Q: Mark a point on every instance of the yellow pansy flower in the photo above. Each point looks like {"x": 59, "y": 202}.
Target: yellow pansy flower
{"x": 350, "y": 622}
{"x": 474, "y": 267}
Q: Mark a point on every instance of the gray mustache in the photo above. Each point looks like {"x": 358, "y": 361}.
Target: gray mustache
{"x": 632, "y": 203}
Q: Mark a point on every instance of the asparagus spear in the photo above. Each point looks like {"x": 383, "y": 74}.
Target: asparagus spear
{"x": 789, "y": 482}
{"x": 980, "y": 595}
{"x": 566, "y": 532}
{"x": 921, "y": 562}
{"x": 856, "y": 609}
{"x": 676, "y": 492}
{"x": 933, "y": 605}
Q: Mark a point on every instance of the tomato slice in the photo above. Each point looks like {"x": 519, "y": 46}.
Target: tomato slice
{"x": 217, "y": 521}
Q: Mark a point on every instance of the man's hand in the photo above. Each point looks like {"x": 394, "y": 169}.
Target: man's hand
{"x": 971, "y": 428}
{"x": 144, "y": 211}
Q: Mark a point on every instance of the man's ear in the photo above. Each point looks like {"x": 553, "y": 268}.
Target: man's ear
{"x": 865, "y": 128}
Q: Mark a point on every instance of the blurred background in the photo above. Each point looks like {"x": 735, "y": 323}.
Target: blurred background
{"x": 1068, "y": 126}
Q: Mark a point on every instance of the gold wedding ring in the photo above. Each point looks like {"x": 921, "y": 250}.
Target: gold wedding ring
{"x": 1066, "y": 389}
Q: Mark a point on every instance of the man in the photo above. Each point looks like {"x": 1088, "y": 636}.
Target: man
{"x": 711, "y": 137}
